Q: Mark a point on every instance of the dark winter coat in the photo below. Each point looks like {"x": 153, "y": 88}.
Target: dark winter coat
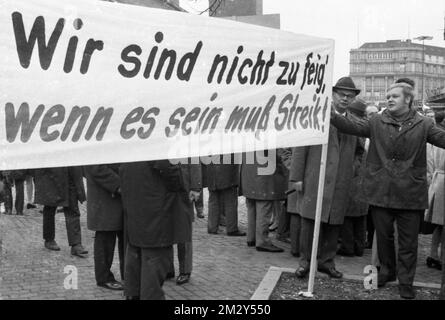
{"x": 222, "y": 176}
{"x": 293, "y": 199}
{"x": 52, "y": 186}
{"x": 306, "y": 168}
{"x": 264, "y": 186}
{"x": 395, "y": 175}
{"x": 356, "y": 206}
{"x": 158, "y": 212}
{"x": 104, "y": 205}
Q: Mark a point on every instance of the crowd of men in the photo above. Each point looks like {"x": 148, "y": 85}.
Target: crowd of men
{"x": 375, "y": 178}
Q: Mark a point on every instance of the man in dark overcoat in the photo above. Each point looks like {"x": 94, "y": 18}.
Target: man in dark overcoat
{"x": 222, "y": 182}
{"x": 158, "y": 213}
{"x": 261, "y": 190}
{"x": 353, "y": 231}
{"x": 61, "y": 187}
{"x": 105, "y": 217}
{"x": 305, "y": 171}
{"x": 294, "y": 209}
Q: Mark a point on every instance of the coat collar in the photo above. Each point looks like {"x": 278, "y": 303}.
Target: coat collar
{"x": 413, "y": 118}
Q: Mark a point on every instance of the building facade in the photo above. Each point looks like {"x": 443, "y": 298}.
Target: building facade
{"x": 375, "y": 66}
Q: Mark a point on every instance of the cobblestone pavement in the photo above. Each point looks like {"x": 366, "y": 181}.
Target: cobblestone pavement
{"x": 224, "y": 268}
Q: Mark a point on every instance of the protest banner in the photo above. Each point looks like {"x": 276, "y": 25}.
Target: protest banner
{"x": 88, "y": 82}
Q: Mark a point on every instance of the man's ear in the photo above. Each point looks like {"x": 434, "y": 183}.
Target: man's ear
{"x": 408, "y": 100}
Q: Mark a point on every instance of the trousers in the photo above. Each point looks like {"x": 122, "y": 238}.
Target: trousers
{"x": 259, "y": 213}
{"x": 104, "y": 244}
{"x": 408, "y": 225}
{"x": 223, "y": 203}
{"x": 185, "y": 258}
{"x": 72, "y": 222}
{"x": 19, "y": 196}
{"x": 327, "y": 243}
{"x": 353, "y": 234}
{"x": 295, "y": 233}
{"x": 145, "y": 271}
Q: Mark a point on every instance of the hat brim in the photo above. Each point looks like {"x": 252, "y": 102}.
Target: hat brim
{"x": 357, "y": 91}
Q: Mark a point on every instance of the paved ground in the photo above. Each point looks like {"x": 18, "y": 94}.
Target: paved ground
{"x": 224, "y": 267}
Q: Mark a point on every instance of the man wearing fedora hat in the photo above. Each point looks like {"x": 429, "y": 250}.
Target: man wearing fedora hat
{"x": 304, "y": 174}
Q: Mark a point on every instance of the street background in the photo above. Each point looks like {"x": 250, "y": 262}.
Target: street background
{"x": 224, "y": 268}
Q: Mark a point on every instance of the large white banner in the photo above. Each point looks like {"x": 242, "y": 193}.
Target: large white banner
{"x": 87, "y": 82}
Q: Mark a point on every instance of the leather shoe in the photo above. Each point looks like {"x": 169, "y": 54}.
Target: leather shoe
{"x": 302, "y": 272}
{"x": 251, "y": 243}
{"x": 406, "y": 291}
{"x": 332, "y": 272}
{"x": 170, "y": 275}
{"x": 382, "y": 279}
{"x": 236, "y": 233}
{"x": 433, "y": 263}
{"x": 183, "y": 278}
{"x": 269, "y": 248}
{"x": 52, "y": 245}
{"x": 79, "y": 250}
{"x": 31, "y": 206}
{"x": 112, "y": 285}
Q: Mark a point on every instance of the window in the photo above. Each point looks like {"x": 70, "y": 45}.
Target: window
{"x": 368, "y": 83}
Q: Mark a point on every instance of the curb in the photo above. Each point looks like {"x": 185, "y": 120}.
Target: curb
{"x": 270, "y": 280}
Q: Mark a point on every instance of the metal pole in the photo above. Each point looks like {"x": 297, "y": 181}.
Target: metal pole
{"x": 423, "y": 70}
{"x": 324, "y": 154}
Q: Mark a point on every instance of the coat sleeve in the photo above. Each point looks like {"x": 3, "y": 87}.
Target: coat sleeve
{"x": 359, "y": 156}
{"x": 429, "y": 163}
{"x": 355, "y": 127}
{"x": 436, "y": 135}
{"x": 298, "y": 164}
{"x": 104, "y": 176}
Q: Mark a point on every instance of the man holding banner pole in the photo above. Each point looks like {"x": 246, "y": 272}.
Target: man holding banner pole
{"x": 304, "y": 173}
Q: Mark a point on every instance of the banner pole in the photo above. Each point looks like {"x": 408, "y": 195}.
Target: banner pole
{"x": 321, "y": 178}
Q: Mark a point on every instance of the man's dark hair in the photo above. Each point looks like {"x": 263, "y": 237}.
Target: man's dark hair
{"x": 407, "y": 81}
{"x": 439, "y": 116}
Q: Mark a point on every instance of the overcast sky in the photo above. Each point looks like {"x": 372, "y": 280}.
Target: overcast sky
{"x": 353, "y": 22}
